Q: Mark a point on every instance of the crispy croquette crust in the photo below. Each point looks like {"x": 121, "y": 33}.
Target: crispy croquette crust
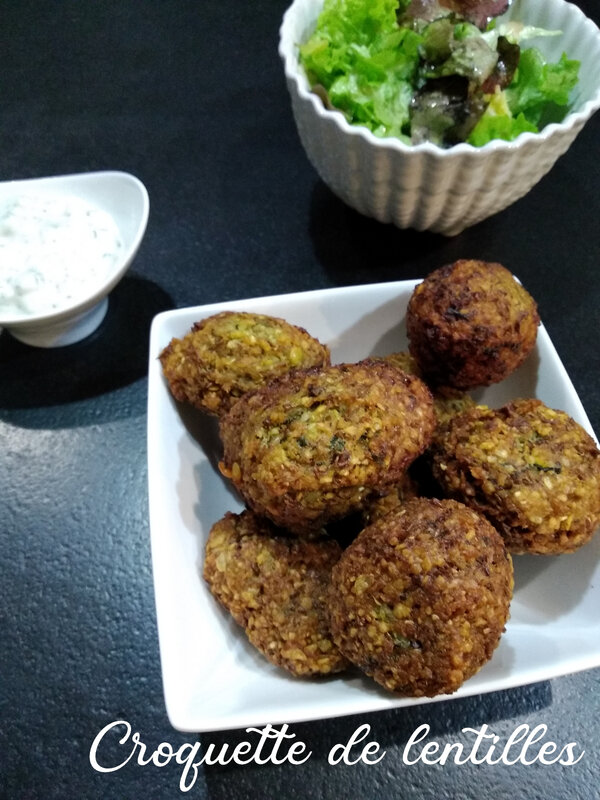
{"x": 309, "y": 447}
{"x": 447, "y": 401}
{"x": 404, "y": 361}
{"x": 470, "y": 324}
{"x": 381, "y": 503}
{"x": 532, "y": 470}
{"x": 275, "y": 587}
{"x": 231, "y": 353}
{"x": 420, "y": 599}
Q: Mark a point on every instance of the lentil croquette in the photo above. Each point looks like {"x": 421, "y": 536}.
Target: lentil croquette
{"x": 275, "y": 587}
{"x": 310, "y": 447}
{"x": 231, "y": 353}
{"x": 532, "y": 470}
{"x": 470, "y": 324}
{"x": 420, "y": 599}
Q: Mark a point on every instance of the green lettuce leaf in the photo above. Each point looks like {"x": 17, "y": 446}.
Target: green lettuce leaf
{"x": 366, "y": 63}
{"x": 497, "y": 122}
{"x": 540, "y": 91}
{"x": 505, "y": 127}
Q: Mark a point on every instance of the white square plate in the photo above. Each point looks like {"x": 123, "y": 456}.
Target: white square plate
{"x": 213, "y": 679}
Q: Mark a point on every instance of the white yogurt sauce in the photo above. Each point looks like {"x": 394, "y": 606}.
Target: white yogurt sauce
{"x": 53, "y": 251}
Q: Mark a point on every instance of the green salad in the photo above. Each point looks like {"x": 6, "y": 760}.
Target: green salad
{"x": 428, "y": 70}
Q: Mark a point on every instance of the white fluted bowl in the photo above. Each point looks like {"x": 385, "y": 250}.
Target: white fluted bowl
{"x": 424, "y": 186}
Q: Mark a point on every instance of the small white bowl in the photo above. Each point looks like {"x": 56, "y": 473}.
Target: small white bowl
{"x": 125, "y": 199}
{"x": 424, "y": 186}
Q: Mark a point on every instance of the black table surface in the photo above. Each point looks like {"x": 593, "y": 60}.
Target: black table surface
{"x": 191, "y": 98}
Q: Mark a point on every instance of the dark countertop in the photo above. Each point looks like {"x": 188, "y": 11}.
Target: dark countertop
{"x": 190, "y": 97}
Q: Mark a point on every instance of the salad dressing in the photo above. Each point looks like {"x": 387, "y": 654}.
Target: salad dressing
{"x": 53, "y": 251}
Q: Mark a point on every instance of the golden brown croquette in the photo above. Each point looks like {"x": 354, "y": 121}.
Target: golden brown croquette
{"x": 420, "y": 599}
{"x": 470, "y": 324}
{"x": 532, "y": 470}
{"x": 231, "y": 353}
{"x": 308, "y": 448}
{"x": 275, "y": 586}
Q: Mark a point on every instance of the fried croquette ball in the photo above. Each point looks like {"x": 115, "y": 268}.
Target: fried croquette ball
{"x": 275, "y": 587}
{"x": 309, "y": 448}
{"x": 470, "y": 324}
{"x": 420, "y": 599}
{"x": 532, "y": 470}
{"x": 231, "y": 353}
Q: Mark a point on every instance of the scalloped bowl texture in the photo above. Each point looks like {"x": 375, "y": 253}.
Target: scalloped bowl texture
{"x": 425, "y": 186}
{"x": 125, "y": 198}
